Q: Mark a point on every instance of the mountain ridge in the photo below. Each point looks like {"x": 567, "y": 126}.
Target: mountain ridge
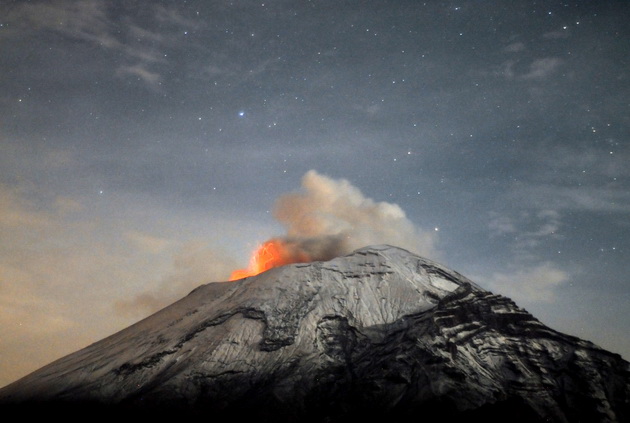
{"x": 380, "y": 332}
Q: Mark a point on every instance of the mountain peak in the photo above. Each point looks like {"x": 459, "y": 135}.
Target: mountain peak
{"x": 380, "y": 331}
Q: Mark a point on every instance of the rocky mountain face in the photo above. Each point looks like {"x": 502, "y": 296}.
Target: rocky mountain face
{"x": 381, "y": 333}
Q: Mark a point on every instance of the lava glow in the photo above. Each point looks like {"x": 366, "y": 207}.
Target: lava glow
{"x": 270, "y": 254}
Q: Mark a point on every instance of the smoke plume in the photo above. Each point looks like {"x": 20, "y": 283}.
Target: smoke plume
{"x": 329, "y": 218}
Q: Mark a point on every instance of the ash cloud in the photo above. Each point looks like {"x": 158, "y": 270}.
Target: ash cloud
{"x": 331, "y": 217}
{"x": 193, "y": 265}
{"x": 327, "y": 218}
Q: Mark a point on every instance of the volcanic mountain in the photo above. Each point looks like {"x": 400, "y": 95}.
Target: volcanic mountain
{"x": 380, "y": 333}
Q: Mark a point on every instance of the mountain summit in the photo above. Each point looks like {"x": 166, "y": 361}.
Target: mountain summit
{"x": 378, "y": 333}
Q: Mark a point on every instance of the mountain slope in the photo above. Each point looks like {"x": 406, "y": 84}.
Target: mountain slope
{"x": 380, "y": 332}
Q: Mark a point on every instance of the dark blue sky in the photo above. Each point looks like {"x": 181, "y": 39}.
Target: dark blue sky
{"x": 143, "y": 145}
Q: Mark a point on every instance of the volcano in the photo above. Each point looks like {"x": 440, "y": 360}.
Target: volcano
{"x": 378, "y": 334}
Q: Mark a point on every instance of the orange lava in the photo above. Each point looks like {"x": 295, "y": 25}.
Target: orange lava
{"x": 269, "y": 254}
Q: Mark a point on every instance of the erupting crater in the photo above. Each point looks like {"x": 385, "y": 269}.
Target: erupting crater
{"x": 270, "y": 254}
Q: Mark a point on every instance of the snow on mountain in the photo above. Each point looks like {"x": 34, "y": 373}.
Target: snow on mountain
{"x": 380, "y": 332}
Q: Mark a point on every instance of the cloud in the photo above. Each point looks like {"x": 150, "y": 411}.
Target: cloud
{"x": 330, "y": 217}
{"x": 67, "y": 205}
{"x": 515, "y": 47}
{"x": 586, "y": 176}
{"x": 604, "y": 160}
{"x": 542, "y": 68}
{"x": 529, "y": 229}
{"x": 538, "y": 69}
{"x": 64, "y": 265}
{"x": 106, "y": 25}
{"x": 34, "y": 330}
{"x": 501, "y": 225}
{"x": 43, "y": 263}
{"x": 140, "y": 71}
{"x": 16, "y": 213}
{"x": 555, "y": 35}
{"x": 551, "y": 225}
{"x": 61, "y": 269}
{"x": 223, "y": 69}
{"x": 583, "y": 198}
{"x": 171, "y": 16}
{"x": 535, "y": 283}
{"x": 148, "y": 243}
{"x": 85, "y": 20}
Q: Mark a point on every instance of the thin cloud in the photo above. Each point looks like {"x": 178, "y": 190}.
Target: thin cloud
{"x": 532, "y": 283}
{"x": 174, "y": 18}
{"x": 515, "y": 47}
{"x": 16, "y": 213}
{"x": 91, "y": 21}
{"x": 555, "y": 35}
{"x": 84, "y": 20}
{"x": 67, "y": 205}
{"x": 139, "y": 71}
{"x": 501, "y": 225}
{"x": 583, "y": 198}
{"x": 579, "y": 178}
{"x": 46, "y": 260}
{"x": 148, "y": 243}
{"x": 542, "y": 68}
{"x": 530, "y": 225}
{"x": 538, "y": 69}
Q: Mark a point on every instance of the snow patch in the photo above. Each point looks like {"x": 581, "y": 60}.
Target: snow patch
{"x": 444, "y": 284}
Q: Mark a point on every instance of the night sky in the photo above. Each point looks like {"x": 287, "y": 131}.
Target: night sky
{"x": 144, "y": 146}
